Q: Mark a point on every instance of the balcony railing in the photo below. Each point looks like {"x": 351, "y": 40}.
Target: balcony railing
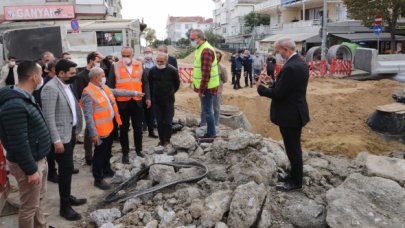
{"x": 301, "y": 24}
{"x": 267, "y": 5}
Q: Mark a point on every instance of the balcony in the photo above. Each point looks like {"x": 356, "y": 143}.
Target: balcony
{"x": 267, "y": 6}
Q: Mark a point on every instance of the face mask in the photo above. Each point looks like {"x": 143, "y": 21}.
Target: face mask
{"x": 161, "y": 67}
{"x": 11, "y": 63}
{"x": 70, "y": 80}
{"x": 127, "y": 60}
{"x": 194, "y": 43}
{"x": 97, "y": 65}
{"x": 279, "y": 58}
{"x": 40, "y": 84}
{"x": 103, "y": 80}
{"x": 148, "y": 56}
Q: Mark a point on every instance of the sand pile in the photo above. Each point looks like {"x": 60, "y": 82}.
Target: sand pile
{"x": 338, "y": 109}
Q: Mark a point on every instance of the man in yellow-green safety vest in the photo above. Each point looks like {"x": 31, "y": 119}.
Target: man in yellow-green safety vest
{"x": 205, "y": 79}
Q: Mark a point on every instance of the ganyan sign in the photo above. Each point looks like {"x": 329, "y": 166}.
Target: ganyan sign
{"x": 40, "y": 12}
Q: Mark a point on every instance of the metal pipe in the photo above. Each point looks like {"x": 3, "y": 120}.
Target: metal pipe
{"x": 325, "y": 20}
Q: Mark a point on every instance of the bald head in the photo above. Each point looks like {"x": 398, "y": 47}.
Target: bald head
{"x": 96, "y": 76}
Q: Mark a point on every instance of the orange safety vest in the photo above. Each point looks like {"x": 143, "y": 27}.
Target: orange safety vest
{"x": 101, "y": 109}
{"x": 123, "y": 80}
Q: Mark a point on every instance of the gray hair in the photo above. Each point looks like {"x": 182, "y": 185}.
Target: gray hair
{"x": 127, "y": 47}
{"x": 286, "y": 43}
{"x": 95, "y": 71}
{"x": 162, "y": 54}
{"x": 162, "y": 48}
{"x": 200, "y": 33}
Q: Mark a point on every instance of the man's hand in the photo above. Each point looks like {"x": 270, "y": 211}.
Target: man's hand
{"x": 201, "y": 94}
{"x": 95, "y": 139}
{"x": 148, "y": 103}
{"x": 59, "y": 148}
{"x": 35, "y": 178}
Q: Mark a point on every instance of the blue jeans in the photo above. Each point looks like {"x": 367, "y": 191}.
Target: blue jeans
{"x": 206, "y": 108}
{"x": 216, "y": 104}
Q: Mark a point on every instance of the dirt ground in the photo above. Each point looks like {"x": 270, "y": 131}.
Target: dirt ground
{"x": 338, "y": 108}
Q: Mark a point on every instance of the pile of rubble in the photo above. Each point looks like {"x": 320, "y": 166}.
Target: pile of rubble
{"x": 239, "y": 188}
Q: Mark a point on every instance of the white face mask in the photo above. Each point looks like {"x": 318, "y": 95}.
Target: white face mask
{"x": 148, "y": 56}
{"x": 103, "y": 80}
{"x": 161, "y": 66}
{"x": 97, "y": 65}
{"x": 127, "y": 60}
{"x": 279, "y": 58}
{"x": 194, "y": 43}
{"x": 40, "y": 84}
{"x": 11, "y": 63}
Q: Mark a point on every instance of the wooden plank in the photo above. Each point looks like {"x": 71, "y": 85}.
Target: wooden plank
{"x": 394, "y": 107}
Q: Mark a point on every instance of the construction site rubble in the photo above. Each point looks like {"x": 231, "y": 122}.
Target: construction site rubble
{"x": 239, "y": 188}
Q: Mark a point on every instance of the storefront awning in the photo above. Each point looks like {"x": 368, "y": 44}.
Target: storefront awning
{"x": 357, "y": 37}
{"x": 297, "y": 37}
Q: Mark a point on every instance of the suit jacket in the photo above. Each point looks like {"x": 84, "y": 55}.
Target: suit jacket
{"x": 57, "y": 111}
{"x": 289, "y": 106}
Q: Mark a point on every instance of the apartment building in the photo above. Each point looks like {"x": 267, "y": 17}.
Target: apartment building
{"x": 177, "y": 27}
{"x": 229, "y": 17}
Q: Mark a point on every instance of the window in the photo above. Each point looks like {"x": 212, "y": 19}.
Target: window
{"x": 178, "y": 26}
{"x": 109, "y": 38}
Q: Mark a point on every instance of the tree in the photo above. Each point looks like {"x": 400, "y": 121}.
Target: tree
{"x": 149, "y": 35}
{"x": 188, "y": 33}
{"x": 253, "y": 19}
{"x": 183, "y": 42}
{"x": 366, "y": 10}
{"x": 213, "y": 38}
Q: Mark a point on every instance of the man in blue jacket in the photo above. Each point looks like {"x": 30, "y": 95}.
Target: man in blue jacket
{"x": 26, "y": 138}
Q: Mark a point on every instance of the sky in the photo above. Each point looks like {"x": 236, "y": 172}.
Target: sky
{"x": 155, "y": 12}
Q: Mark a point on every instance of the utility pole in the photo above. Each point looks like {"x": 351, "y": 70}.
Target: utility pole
{"x": 324, "y": 24}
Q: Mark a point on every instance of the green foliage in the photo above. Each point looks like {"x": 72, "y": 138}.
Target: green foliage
{"x": 253, "y": 19}
{"x": 183, "y": 42}
{"x": 182, "y": 53}
{"x": 149, "y": 35}
{"x": 366, "y": 10}
{"x": 213, "y": 38}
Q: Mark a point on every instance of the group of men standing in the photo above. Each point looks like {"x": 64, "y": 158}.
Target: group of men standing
{"x": 30, "y": 133}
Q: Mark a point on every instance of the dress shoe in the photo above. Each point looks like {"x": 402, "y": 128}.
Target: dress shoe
{"x": 109, "y": 173}
{"x": 88, "y": 162}
{"x": 77, "y": 202}
{"x": 140, "y": 154}
{"x": 283, "y": 177}
{"x": 53, "y": 177}
{"x": 67, "y": 212}
{"x": 75, "y": 171}
{"x": 288, "y": 186}
{"x": 152, "y": 135}
{"x": 101, "y": 184}
{"x": 125, "y": 158}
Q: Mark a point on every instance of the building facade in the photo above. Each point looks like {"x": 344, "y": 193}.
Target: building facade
{"x": 19, "y": 10}
{"x": 177, "y": 27}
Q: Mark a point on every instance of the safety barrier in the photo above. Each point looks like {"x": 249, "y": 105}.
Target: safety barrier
{"x": 341, "y": 67}
{"x": 317, "y": 68}
{"x": 186, "y": 74}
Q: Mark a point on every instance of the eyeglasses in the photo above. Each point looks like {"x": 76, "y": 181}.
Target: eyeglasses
{"x": 126, "y": 56}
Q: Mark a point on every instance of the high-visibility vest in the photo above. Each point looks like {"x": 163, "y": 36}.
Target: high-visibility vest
{"x": 101, "y": 109}
{"x": 124, "y": 80}
{"x": 197, "y": 76}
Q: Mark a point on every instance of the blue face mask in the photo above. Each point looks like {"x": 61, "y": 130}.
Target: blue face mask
{"x": 194, "y": 43}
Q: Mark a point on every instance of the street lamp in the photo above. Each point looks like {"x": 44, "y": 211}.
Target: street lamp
{"x": 324, "y": 21}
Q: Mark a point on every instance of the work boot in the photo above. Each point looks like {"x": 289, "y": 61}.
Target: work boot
{"x": 125, "y": 158}
{"x": 67, "y": 212}
{"x": 101, "y": 184}
{"x": 77, "y": 201}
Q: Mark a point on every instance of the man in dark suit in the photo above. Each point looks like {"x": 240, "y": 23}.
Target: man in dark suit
{"x": 172, "y": 60}
{"x": 289, "y": 108}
